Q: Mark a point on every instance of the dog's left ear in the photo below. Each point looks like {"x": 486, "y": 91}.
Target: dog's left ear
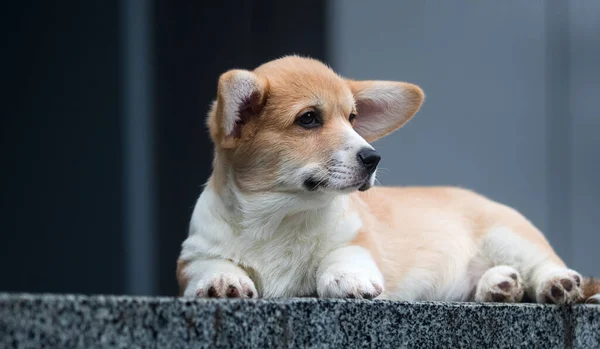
{"x": 383, "y": 106}
{"x": 241, "y": 95}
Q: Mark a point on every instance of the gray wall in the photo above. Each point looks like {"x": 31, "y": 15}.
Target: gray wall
{"x": 584, "y": 94}
{"x": 510, "y": 102}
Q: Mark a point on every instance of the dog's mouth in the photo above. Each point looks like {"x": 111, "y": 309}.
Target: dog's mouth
{"x": 314, "y": 184}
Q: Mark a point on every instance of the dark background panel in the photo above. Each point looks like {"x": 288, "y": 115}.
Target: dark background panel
{"x": 61, "y": 148}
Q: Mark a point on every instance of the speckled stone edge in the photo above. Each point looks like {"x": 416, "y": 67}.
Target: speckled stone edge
{"x": 73, "y": 321}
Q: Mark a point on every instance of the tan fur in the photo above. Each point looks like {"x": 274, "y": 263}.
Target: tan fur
{"x": 397, "y": 221}
{"x": 182, "y": 279}
{"x": 591, "y": 287}
{"x": 271, "y": 135}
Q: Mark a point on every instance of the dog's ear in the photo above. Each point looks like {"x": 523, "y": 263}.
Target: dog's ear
{"x": 383, "y": 106}
{"x": 241, "y": 96}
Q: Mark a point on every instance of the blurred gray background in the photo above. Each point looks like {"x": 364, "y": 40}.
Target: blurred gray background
{"x": 104, "y": 148}
{"x": 512, "y": 104}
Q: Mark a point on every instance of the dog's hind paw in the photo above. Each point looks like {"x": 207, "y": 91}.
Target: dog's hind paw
{"x": 562, "y": 286}
{"x": 500, "y": 284}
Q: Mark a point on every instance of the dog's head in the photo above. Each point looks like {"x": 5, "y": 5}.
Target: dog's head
{"x": 293, "y": 125}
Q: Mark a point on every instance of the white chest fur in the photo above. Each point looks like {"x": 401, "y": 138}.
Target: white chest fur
{"x": 279, "y": 239}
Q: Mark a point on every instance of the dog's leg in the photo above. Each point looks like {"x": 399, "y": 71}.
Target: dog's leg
{"x": 349, "y": 272}
{"x": 546, "y": 278}
{"x": 214, "y": 278}
{"x": 501, "y": 283}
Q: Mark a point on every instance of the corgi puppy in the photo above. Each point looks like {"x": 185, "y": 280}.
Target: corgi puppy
{"x": 290, "y": 209}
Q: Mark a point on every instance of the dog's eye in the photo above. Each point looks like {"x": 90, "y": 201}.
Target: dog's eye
{"x": 309, "y": 120}
{"x": 352, "y": 117}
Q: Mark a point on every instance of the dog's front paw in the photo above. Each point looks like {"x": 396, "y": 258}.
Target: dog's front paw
{"x": 562, "y": 286}
{"x": 349, "y": 284}
{"x": 226, "y": 285}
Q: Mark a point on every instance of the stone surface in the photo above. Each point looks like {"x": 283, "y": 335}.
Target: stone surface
{"x": 586, "y": 326}
{"x": 53, "y": 321}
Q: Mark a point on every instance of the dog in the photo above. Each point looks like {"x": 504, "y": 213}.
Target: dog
{"x": 291, "y": 209}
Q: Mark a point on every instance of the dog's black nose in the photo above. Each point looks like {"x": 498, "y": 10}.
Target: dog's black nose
{"x": 369, "y": 158}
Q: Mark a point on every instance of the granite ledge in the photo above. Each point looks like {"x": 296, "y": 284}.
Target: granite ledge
{"x": 75, "y": 321}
